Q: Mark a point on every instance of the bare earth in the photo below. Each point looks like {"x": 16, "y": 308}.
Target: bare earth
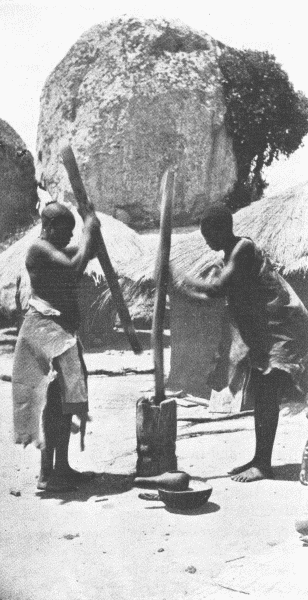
{"x": 104, "y": 542}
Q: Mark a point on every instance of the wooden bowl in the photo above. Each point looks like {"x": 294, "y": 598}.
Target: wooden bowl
{"x": 187, "y": 500}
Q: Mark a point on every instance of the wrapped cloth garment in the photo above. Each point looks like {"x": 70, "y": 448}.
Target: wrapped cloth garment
{"x": 272, "y": 321}
{"x": 45, "y": 350}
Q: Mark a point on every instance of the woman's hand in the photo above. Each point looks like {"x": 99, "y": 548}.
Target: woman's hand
{"x": 191, "y": 292}
{"x": 190, "y": 281}
{"x": 92, "y": 223}
{"x": 92, "y": 227}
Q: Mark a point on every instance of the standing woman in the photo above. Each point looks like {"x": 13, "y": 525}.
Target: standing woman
{"x": 49, "y": 375}
{"x": 272, "y": 321}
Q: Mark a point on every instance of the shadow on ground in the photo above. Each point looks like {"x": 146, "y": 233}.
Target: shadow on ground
{"x": 104, "y": 484}
{"x": 288, "y": 472}
{"x": 207, "y": 508}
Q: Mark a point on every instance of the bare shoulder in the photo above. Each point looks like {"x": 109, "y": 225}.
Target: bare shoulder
{"x": 70, "y": 251}
{"x": 39, "y": 248}
{"x": 245, "y": 247}
{"x": 43, "y": 253}
{"x": 245, "y": 243}
{"x": 243, "y": 256}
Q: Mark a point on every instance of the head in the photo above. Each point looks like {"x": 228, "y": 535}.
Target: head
{"x": 217, "y": 226}
{"x": 58, "y": 223}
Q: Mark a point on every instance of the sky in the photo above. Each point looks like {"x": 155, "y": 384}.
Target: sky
{"x": 36, "y": 34}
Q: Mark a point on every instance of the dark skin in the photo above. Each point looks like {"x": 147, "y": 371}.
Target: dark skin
{"x": 48, "y": 258}
{"x": 54, "y": 272}
{"x": 239, "y": 256}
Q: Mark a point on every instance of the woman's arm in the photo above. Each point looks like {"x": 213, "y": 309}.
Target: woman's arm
{"x": 194, "y": 295}
{"x": 240, "y": 261}
{"x": 45, "y": 252}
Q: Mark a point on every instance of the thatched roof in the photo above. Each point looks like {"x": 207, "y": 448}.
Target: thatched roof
{"x": 123, "y": 245}
{"x": 189, "y": 254}
{"x": 278, "y": 224}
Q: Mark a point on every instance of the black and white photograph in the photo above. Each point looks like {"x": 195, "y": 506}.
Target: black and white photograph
{"x": 153, "y": 300}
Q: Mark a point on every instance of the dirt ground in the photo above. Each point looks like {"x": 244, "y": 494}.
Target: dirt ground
{"x": 103, "y": 541}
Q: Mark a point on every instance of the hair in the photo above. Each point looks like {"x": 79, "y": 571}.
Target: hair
{"x": 217, "y": 216}
{"x": 53, "y": 211}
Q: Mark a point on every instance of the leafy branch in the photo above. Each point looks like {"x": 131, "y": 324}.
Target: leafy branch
{"x": 265, "y": 117}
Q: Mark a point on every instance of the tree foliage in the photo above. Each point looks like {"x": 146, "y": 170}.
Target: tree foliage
{"x": 265, "y": 117}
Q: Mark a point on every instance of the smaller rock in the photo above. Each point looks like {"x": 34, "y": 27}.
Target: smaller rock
{"x": 15, "y": 492}
{"x": 191, "y": 569}
{"x": 71, "y": 536}
{"x": 161, "y": 550}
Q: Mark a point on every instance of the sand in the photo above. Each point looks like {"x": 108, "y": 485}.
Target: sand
{"x": 104, "y": 542}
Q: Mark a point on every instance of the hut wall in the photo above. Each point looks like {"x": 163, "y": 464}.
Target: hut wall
{"x": 198, "y": 332}
{"x": 195, "y": 330}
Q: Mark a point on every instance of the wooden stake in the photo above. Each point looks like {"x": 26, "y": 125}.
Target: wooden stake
{"x": 162, "y": 276}
{"x": 71, "y": 166}
{"x": 156, "y": 417}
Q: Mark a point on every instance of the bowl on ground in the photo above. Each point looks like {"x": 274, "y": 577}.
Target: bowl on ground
{"x": 186, "y": 500}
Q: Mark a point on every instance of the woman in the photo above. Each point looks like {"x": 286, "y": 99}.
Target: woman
{"x": 49, "y": 375}
{"x": 272, "y": 322}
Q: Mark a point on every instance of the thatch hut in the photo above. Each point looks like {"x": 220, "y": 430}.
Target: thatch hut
{"x": 98, "y": 315}
{"x": 278, "y": 225}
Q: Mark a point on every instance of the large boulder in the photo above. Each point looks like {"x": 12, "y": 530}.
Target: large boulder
{"x": 128, "y": 96}
{"x": 18, "y": 189}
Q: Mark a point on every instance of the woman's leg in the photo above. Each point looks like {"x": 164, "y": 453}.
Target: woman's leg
{"x": 51, "y": 416}
{"x": 264, "y": 389}
{"x": 54, "y": 457}
{"x": 63, "y": 474}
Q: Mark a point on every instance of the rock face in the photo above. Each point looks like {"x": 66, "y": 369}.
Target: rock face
{"x": 18, "y": 189}
{"x": 128, "y": 96}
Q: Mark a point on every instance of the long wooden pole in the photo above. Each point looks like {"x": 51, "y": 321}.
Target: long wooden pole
{"x": 71, "y": 166}
{"x": 162, "y": 276}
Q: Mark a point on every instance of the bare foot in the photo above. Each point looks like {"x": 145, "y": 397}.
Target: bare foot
{"x": 41, "y": 484}
{"x": 242, "y": 468}
{"x": 43, "y": 479}
{"x": 57, "y": 484}
{"x": 254, "y": 473}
